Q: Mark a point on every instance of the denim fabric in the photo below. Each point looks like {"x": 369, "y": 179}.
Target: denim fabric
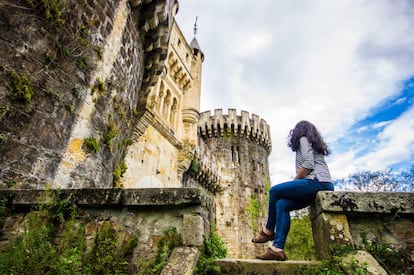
{"x": 288, "y": 196}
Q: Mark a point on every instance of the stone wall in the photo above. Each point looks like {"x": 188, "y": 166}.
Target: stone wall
{"x": 81, "y": 72}
{"x": 144, "y": 214}
{"x": 351, "y": 218}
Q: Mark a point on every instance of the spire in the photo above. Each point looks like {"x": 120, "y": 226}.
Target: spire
{"x": 195, "y": 26}
{"x": 194, "y": 42}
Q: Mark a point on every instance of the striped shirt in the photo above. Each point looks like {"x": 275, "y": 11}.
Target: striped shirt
{"x": 307, "y": 157}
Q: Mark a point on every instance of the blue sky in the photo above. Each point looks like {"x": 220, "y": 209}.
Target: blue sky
{"x": 345, "y": 65}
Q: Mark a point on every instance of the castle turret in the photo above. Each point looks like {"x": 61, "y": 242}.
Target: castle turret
{"x": 241, "y": 145}
{"x": 166, "y": 135}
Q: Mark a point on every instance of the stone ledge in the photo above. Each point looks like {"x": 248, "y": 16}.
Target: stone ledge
{"x": 260, "y": 267}
{"x": 112, "y": 196}
{"x": 363, "y": 202}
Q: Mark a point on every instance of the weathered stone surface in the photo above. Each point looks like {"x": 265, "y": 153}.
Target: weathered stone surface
{"x": 193, "y": 225}
{"x": 182, "y": 261}
{"x": 328, "y": 229}
{"x": 363, "y": 258}
{"x": 102, "y": 45}
{"x": 354, "y": 218}
{"x": 241, "y": 145}
{"x": 113, "y": 196}
{"x": 259, "y": 267}
{"x": 164, "y": 196}
{"x": 364, "y": 202}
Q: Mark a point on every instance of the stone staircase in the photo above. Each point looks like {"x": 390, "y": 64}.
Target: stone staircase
{"x": 260, "y": 267}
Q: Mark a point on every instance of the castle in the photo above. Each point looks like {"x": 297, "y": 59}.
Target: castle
{"x": 101, "y": 100}
{"x": 114, "y": 101}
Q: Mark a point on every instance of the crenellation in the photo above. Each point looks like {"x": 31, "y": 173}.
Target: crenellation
{"x": 223, "y": 124}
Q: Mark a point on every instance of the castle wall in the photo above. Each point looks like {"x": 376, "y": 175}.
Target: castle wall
{"x": 86, "y": 74}
{"x": 241, "y": 147}
{"x": 153, "y": 158}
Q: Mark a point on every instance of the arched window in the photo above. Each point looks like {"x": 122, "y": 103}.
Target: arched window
{"x": 167, "y": 103}
{"x": 173, "y": 114}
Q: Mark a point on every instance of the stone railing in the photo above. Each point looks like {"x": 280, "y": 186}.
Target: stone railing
{"x": 142, "y": 213}
{"x": 351, "y": 218}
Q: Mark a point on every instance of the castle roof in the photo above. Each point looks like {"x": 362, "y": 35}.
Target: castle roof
{"x": 194, "y": 44}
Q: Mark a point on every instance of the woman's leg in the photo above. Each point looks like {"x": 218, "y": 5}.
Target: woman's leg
{"x": 283, "y": 208}
{"x": 296, "y": 190}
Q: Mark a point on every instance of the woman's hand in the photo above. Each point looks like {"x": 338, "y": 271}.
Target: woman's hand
{"x": 303, "y": 172}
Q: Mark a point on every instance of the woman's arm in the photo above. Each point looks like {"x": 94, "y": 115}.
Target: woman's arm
{"x": 302, "y": 173}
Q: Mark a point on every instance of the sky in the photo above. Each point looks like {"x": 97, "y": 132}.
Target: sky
{"x": 347, "y": 66}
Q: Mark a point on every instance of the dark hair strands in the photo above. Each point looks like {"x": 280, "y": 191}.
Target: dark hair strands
{"x": 307, "y": 129}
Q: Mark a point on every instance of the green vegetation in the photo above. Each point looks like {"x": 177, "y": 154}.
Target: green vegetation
{"x": 336, "y": 265}
{"x": 99, "y": 87}
{"x": 106, "y": 256}
{"x": 194, "y": 166}
{"x": 3, "y": 109}
{"x": 20, "y": 86}
{"x": 112, "y": 132}
{"x": 168, "y": 241}
{"x": 387, "y": 257}
{"x": 82, "y": 64}
{"x": 92, "y": 144}
{"x": 53, "y": 242}
{"x": 3, "y": 212}
{"x": 299, "y": 243}
{"x": 255, "y": 210}
{"x": 3, "y": 138}
{"x": 11, "y": 183}
{"x": 125, "y": 142}
{"x": 213, "y": 249}
{"x": 53, "y": 10}
{"x": 118, "y": 173}
{"x": 227, "y": 133}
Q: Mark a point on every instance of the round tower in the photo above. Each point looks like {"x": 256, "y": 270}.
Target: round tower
{"x": 241, "y": 145}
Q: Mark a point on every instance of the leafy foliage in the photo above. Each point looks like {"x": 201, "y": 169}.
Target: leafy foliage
{"x": 335, "y": 265}
{"x": 53, "y": 242}
{"x": 213, "y": 249}
{"x": 299, "y": 243}
{"x": 92, "y": 144}
{"x": 20, "y": 86}
{"x": 52, "y": 10}
{"x": 386, "y": 256}
{"x": 254, "y": 209}
{"x": 169, "y": 240}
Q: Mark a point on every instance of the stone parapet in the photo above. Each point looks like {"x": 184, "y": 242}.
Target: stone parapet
{"x": 355, "y": 218}
{"x": 108, "y": 197}
{"x": 232, "y": 124}
{"x": 143, "y": 214}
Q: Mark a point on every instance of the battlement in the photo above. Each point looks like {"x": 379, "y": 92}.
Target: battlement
{"x": 238, "y": 125}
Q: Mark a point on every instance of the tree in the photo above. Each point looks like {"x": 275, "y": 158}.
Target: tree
{"x": 379, "y": 181}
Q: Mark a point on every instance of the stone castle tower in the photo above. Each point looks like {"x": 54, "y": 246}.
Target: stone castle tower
{"x": 241, "y": 146}
{"x": 165, "y": 137}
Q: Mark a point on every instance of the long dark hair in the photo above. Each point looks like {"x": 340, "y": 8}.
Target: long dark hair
{"x": 307, "y": 129}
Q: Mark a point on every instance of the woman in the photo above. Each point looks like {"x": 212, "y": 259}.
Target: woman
{"x": 312, "y": 175}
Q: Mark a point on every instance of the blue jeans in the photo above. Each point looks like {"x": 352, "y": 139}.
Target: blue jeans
{"x": 288, "y": 196}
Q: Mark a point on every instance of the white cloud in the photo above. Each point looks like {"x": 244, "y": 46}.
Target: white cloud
{"x": 329, "y": 62}
{"x": 396, "y": 144}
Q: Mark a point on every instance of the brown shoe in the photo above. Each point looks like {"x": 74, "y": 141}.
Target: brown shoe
{"x": 273, "y": 255}
{"x": 263, "y": 237}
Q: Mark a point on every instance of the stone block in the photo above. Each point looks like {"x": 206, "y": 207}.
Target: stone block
{"x": 329, "y": 229}
{"x": 193, "y": 230}
{"x": 182, "y": 261}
